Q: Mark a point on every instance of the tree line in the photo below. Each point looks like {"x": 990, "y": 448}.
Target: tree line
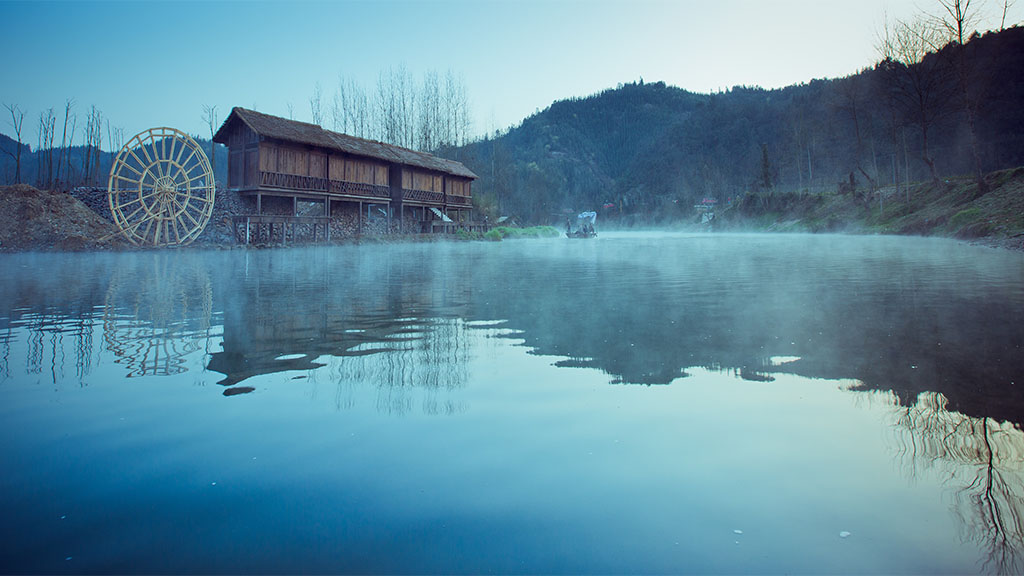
{"x": 59, "y": 164}
{"x": 426, "y": 114}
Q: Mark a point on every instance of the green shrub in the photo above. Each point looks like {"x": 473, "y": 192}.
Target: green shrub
{"x": 493, "y": 235}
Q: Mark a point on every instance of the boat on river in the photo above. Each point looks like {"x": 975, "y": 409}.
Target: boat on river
{"x": 584, "y": 227}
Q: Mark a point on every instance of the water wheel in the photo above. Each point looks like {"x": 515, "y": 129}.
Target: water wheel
{"x": 161, "y": 188}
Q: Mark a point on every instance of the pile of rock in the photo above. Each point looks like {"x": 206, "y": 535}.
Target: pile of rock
{"x": 42, "y": 220}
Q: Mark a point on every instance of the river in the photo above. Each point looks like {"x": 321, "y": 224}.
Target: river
{"x": 638, "y": 402}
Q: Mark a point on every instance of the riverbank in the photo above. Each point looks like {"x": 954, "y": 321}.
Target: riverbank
{"x": 47, "y": 221}
{"x": 952, "y": 208}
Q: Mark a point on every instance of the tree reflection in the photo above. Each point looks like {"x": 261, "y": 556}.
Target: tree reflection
{"x": 981, "y": 459}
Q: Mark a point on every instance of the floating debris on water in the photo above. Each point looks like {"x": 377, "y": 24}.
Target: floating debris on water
{"x": 238, "y": 390}
{"x": 844, "y": 534}
{"x": 737, "y": 531}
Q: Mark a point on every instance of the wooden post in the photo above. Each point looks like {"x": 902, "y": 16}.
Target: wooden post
{"x": 259, "y": 204}
{"x": 246, "y": 230}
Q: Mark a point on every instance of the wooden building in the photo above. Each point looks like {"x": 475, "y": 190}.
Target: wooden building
{"x": 299, "y": 173}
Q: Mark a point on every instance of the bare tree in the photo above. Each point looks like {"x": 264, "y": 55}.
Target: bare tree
{"x": 1007, "y": 4}
{"x": 917, "y": 79}
{"x": 93, "y": 144}
{"x": 958, "y": 22}
{"x": 115, "y": 136}
{"x": 210, "y": 117}
{"x": 350, "y": 110}
{"x": 429, "y": 107}
{"x": 44, "y": 167}
{"x": 457, "y": 114}
{"x": 396, "y": 104}
{"x": 64, "y": 158}
{"x": 853, "y": 102}
{"x": 316, "y": 108}
{"x": 17, "y": 119}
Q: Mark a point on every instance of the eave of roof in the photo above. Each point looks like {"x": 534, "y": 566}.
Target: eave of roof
{"x": 311, "y": 134}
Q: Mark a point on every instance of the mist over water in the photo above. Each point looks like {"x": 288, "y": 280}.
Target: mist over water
{"x": 642, "y": 402}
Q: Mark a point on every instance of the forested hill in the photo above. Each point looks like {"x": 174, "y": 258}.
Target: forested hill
{"x": 647, "y": 152}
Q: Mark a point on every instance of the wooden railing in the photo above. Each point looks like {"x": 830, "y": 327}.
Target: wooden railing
{"x": 359, "y": 189}
{"x": 323, "y": 185}
{"x": 293, "y": 182}
{"x": 314, "y": 184}
{"x": 423, "y": 196}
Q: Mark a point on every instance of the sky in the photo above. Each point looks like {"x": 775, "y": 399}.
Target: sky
{"x": 149, "y": 64}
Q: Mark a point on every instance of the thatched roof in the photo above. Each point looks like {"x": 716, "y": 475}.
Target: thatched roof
{"x": 313, "y": 135}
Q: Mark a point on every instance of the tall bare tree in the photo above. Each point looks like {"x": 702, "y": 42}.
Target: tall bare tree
{"x": 917, "y": 78}
{"x": 93, "y": 145}
{"x": 44, "y": 167}
{"x": 17, "y": 120}
{"x": 958, "y": 20}
{"x": 1007, "y": 4}
{"x": 429, "y": 96}
{"x": 457, "y": 113}
{"x": 210, "y": 117}
{"x": 852, "y": 101}
{"x": 316, "y": 108}
{"x": 64, "y": 158}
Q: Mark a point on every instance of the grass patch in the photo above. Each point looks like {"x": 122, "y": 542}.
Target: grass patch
{"x": 531, "y": 232}
{"x": 965, "y": 218}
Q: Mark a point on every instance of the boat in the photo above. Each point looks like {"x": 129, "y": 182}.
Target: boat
{"x": 584, "y": 227}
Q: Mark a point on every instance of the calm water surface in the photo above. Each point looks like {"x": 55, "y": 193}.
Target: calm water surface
{"x": 636, "y": 403}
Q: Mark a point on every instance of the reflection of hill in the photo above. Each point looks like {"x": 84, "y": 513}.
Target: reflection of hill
{"x": 901, "y": 320}
{"x": 982, "y": 460}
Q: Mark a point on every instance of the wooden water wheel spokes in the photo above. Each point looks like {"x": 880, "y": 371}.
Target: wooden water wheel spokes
{"x": 161, "y": 188}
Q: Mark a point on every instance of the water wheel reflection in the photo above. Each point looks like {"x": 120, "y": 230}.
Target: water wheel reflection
{"x": 158, "y": 313}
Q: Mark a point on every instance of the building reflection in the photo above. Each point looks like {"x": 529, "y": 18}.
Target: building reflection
{"x": 395, "y": 325}
{"x": 981, "y": 460}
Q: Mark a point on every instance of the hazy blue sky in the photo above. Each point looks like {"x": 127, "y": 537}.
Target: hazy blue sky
{"x": 157, "y": 63}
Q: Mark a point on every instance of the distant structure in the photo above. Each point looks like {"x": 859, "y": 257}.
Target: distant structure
{"x": 304, "y": 176}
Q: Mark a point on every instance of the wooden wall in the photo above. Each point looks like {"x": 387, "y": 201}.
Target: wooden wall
{"x": 458, "y": 187}
{"x": 302, "y": 161}
{"x": 242, "y": 153}
{"x": 422, "y": 180}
